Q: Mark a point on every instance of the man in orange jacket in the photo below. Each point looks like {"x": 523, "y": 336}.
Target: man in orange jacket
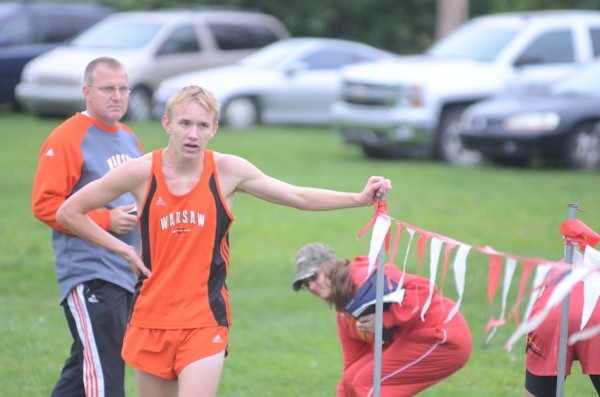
{"x": 95, "y": 284}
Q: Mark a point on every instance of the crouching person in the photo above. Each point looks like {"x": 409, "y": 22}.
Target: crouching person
{"x": 417, "y": 352}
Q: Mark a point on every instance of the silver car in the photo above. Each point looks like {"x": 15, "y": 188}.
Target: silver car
{"x": 152, "y": 45}
{"x": 292, "y": 81}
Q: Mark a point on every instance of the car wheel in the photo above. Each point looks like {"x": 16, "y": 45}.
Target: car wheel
{"x": 241, "y": 112}
{"x": 449, "y": 146}
{"x": 140, "y": 105}
{"x": 582, "y": 149}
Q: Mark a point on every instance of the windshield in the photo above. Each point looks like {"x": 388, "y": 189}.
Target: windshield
{"x": 582, "y": 82}
{"x": 116, "y": 35}
{"x": 272, "y": 55}
{"x": 475, "y": 41}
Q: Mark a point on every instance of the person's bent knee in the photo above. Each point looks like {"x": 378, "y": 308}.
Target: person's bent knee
{"x": 361, "y": 381}
{"x": 348, "y": 380}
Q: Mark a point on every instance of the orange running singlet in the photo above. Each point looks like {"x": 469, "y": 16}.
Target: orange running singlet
{"x": 185, "y": 242}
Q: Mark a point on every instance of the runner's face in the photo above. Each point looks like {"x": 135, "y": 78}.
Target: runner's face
{"x": 190, "y": 128}
{"x": 107, "y": 97}
{"x": 319, "y": 285}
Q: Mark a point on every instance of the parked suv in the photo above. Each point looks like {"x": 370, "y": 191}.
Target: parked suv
{"x": 152, "y": 45}
{"x": 28, "y": 30}
{"x": 412, "y": 105}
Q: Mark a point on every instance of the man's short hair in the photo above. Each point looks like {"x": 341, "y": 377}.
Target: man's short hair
{"x": 88, "y": 74}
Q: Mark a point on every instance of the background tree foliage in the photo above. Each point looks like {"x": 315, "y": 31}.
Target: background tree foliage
{"x": 402, "y": 26}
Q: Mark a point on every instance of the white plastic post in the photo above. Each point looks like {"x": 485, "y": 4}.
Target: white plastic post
{"x": 564, "y": 321}
{"x": 378, "y": 322}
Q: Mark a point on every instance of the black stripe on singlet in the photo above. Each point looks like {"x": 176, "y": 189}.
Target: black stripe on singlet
{"x": 218, "y": 267}
{"x": 145, "y": 238}
{"x": 145, "y": 224}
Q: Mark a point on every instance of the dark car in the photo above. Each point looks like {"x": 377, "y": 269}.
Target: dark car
{"x": 28, "y": 30}
{"x": 556, "y": 124}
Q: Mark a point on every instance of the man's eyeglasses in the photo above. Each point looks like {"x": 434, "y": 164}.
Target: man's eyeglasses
{"x": 112, "y": 90}
{"x": 309, "y": 279}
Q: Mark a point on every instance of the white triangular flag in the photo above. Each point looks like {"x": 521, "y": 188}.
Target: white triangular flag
{"x": 434, "y": 260}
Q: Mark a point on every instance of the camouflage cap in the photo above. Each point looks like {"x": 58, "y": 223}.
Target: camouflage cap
{"x": 308, "y": 260}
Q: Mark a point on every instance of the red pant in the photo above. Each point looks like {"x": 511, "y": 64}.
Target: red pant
{"x": 409, "y": 365}
{"x": 542, "y": 343}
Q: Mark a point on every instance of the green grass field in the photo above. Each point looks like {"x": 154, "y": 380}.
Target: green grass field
{"x": 284, "y": 343}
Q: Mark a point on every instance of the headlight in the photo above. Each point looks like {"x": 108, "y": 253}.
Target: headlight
{"x": 532, "y": 122}
{"x": 411, "y": 96}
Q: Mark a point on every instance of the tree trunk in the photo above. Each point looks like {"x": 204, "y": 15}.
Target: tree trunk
{"x": 450, "y": 15}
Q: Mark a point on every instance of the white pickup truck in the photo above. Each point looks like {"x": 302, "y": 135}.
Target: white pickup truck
{"x": 411, "y": 105}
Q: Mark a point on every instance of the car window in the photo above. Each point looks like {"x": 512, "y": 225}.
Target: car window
{"x": 273, "y": 55}
{"x": 240, "y": 37}
{"x": 117, "y": 35}
{"x": 595, "y": 38}
{"x": 16, "y": 30}
{"x": 551, "y": 47}
{"x": 61, "y": 25}
{"x": 329, "y": 60}
{"x": 181, "y": 40}
{"x": 54, "y": 28}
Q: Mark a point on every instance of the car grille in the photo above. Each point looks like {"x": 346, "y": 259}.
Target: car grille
{"x": 483, "y": 124}
{"x": 369, "y": 94}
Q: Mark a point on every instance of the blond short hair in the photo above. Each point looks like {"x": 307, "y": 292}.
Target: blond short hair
{"x": 193, "y": 93}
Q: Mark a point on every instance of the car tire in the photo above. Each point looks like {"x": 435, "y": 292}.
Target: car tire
{"x": 582, "y": 148}
{"x": 449, "y": 147}
{"x": 140, "y": 105}
{"x": 241, "y": 112}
